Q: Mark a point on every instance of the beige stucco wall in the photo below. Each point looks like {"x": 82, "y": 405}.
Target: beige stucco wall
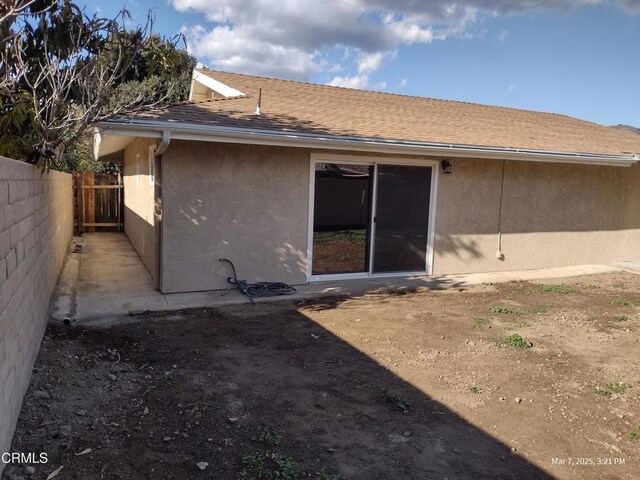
{"x": 250, "y": 204}
{"x": 139, "y": 201}
{"x": 36, "y": 224}
{"x": 246, "y": 203}
{"x": 552, "y": 215}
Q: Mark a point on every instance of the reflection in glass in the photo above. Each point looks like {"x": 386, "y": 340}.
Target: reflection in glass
{"x": 341, "y": 218}
{"x": 402, "y": 218}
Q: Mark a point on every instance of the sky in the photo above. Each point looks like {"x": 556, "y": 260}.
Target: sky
{"x": 575, "y": 57}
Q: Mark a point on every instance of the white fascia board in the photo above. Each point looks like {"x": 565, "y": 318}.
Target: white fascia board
{"x": 209, "y": 133}
{"x": 214, "y": 85}
{"x": 104, "y": 145}
{"x": 191, "y": 87}
{"x": 97, "y": 142}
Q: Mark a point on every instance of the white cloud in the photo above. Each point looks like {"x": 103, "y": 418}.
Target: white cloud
{"x": 237, "y": 50}
{"x": 357, "y": 81}
{"x": 292, "y": 38}
{"x": 632, "y": 6}
{"x": 370, "y": 62}
{"x": 409, "y": 33}
{"x": 367, "y": 64}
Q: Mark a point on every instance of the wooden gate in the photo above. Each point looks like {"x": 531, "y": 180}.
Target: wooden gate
{"x": 98, "y": 199}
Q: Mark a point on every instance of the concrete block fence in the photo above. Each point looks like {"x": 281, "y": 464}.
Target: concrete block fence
{"x": 36, "y": 224}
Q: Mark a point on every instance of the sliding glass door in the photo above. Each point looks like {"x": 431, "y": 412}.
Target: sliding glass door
{"x": 401, "y": 218}
{"x": 370, "y": 218}
{"x": 341, "y": 218}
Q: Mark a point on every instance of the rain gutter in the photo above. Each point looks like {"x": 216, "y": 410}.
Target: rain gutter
{"x": 215, "y": 133}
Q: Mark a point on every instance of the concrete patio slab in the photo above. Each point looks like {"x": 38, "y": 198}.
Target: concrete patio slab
{"x": 633, "y": 267}
{"x": 108, "y": 281}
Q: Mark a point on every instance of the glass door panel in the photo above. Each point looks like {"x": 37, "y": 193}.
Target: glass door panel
{"x": 401, "y": 218}
{"x": 341, "y": 218}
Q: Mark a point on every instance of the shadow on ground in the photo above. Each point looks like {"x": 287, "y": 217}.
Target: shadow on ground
{"x": 231, "y": 386}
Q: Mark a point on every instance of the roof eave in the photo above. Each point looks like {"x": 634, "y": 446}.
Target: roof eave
{"x": 214, "y": 133}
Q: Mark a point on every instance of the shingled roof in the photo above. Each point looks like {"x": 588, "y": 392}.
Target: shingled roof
{"x": 307, "y": 108}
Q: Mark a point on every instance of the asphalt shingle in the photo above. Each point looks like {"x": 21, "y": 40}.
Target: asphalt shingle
{"x": 320, "y": 109}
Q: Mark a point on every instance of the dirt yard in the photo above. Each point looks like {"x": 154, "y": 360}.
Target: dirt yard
{"x": 342, "y": 251}
{"x": 519, "y": 380}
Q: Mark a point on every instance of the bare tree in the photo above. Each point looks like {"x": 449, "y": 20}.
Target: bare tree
{"x": 68, "y": 91}
{"x": 12, "y": 8}
{"x": 59, "y": 75}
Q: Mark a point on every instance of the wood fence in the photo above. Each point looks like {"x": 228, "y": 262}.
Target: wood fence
{"x": 98, "y": 202}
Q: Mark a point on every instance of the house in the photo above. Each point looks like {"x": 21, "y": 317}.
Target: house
{"x": 298, "y": 182}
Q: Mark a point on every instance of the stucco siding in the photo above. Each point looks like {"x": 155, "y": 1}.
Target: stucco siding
{"x": 245, "y": 203}
{"x": 250, "y": 204}
{"x": 552, "y": 215}
{"x": 139, "y": 198}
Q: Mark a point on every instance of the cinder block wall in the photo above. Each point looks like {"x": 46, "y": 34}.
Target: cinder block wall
{"x": 36, "y": 224}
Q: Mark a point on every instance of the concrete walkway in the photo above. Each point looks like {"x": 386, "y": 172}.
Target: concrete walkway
{"x": 108, "y": 280}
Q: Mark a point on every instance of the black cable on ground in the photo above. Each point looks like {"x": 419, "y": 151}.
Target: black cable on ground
{"x": 260, "y": 289}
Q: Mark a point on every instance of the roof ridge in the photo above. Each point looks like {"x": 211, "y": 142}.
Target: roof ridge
{"x": 377, "y": 92}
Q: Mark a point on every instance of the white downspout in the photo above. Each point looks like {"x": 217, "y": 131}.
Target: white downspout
{"x": 158, "y": 207}
{"x": 164, "y": 143}
{"x": 499, "y": 253}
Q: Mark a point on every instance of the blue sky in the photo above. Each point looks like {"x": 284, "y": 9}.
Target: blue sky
{"x": 576, "y": 57}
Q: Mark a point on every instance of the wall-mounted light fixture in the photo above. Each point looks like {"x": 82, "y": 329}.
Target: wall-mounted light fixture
{"x": 446, "y": 166}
